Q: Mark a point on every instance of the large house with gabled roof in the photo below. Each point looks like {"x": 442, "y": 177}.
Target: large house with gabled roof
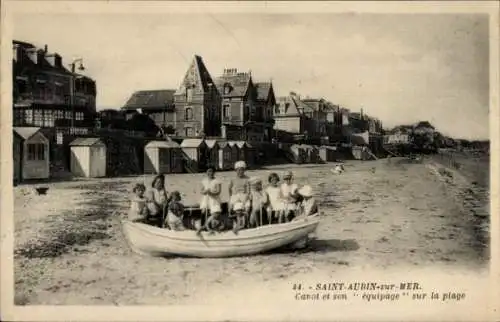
{"x": 197, "y": 103}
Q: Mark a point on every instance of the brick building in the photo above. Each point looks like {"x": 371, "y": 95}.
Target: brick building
{"x": 245, "y": 107}
{"x": 46, "y": 94}
{"x": 197, "y": 103}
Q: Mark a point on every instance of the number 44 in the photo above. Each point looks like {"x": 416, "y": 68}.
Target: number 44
{"x": 297, "y": 287}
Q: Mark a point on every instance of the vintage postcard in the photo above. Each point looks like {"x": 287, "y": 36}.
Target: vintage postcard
{"x": 261, "y": 160}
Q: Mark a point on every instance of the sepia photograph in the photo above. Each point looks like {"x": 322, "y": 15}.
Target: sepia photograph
{"x": 285, "y": 157}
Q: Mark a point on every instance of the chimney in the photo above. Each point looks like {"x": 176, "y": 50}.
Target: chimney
{"x": 46, "y": 48}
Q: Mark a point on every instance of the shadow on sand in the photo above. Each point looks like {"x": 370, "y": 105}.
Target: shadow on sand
{"x": 321, "y": 246}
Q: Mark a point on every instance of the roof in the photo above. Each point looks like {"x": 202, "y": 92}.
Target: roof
{"x": 211, "y": 143}
{"x": 222, "y": 144}
{"x": 162, "y": 144}
{"x": 238, "y": 84}
{"x": 145, "y": 99}
{"x": 241, "y": 144}
{"x": 191, "y": 143}
{"x": 263, "y": 90}
{"x": 292, "y": 108}
{"x": 232, "y": 143}
{"x": 197, "y": 74}
{"x": 26, "y": 132}
{"x": 86, "y": 142}
{"x": 301, "y": 105}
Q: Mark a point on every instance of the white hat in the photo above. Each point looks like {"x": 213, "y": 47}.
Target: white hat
{"x": 305, "y": 191}
{"x": 240, "y": 164}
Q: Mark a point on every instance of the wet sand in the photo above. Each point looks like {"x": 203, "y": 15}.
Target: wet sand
{"x": 382, "y": 214}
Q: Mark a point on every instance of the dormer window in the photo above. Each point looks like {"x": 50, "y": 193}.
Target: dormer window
{"x": 227, "y": 88}
{"x": 189, "y": 93}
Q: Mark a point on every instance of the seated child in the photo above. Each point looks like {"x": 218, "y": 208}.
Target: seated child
{"x": 259, "y": 202}
{"x": 308, "y": 206}
{"x": 175, "y": 212}
{"x": 138, "y": 210}
{"x": 276, "y": 203}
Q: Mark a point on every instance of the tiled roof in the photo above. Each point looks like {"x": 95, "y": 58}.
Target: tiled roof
{"x": 222, "y": 144}
{"x": 86, "y": 142}
{"x": 26, "y": 132}
{"x": 161, "y": 98}
{"x": 292, "y": 107}
{"x": 199, "y": 71}
{"x": 301, "y": 105}
{"x": 238, "y": 84}
{"x": 263, "y": 90}
{"x": 162, "y": 144}
{"x": 241, "y": 144}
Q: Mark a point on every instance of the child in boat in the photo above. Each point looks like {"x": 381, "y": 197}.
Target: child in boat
{"x": 175, "y": 212}
{"x": 138, "y": 211}
{"x": 239, "y": 190}
{"x": 259, "y": 202}
{"x": 211, "y": 203}
{"x": 158, "y": 199}
{"x": 290, "y": 195}
{"x": 308, "y": 206}
{"x": 276, "y": 203}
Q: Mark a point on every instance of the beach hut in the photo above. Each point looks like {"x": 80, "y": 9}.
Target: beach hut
{"x": 235, "y": 151}
{"x": 310, "y": 153}
{"x": 163, "y": 157}
{"x": 31, "y": 154}
{"x": 327, "y": 153}
{"x": 212, "y": 152}
{"x": 225, "y": 156}
{"x": 298, "y": 154}
{"x": 194, "y": 153}
{"x": 88, "y": 157}
{"x": 242, "y": 150}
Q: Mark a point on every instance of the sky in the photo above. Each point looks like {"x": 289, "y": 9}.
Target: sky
{"x": 400, "y": 68}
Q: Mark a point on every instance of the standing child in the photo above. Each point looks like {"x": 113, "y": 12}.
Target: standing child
{"x": 175, "y": 212}
{"x": 210, "y": 203}
{"x": 138, "y": 211}
{"x": 259, "y": 202}
{"x": 308, "y": 206}
{"x": 290, "y": 195}
{"x": 276, "y": 203}
{"x": 239, "y": 191}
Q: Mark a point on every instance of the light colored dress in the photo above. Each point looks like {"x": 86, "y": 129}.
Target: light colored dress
{"x": 158, "y": 200}
{"x": 211, "y": 202}
{"x": 137, "y": 206}
{"x": 240, "y": 188}
{"x": 275, "y": 198}
{"x": 287, "y": 190}
{"x": 309, "y": 207}
{"x": 174, "y": 216}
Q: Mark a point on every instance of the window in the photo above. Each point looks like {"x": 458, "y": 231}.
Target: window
{"x": 188, "y": 131}
{"x": 59, "y": 115}
{"x": 36, "y": 152}
{"x": 18, "y": 117}
{"x": 188, "y": 114}
{"x": 59, "y": 138}
{"x": 38, "y": 118}
{"x": 22, "y": 86}
{"x": 226, "y": 110}
{"x": 253, "y": 110}
{"x": 40, "y": 89}
{"x": 67, "y": 115}
{"x": 48, "y": 118}
{"x": 247, "y": 111}
{"x": 189, "y": 94}
{"x": 28, "y": 117}
{"x": 79, "y": 116}
{"x": 59, "y": 90}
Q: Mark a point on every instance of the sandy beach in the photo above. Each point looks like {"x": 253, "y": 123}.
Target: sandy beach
{"x": 382, "y": 214}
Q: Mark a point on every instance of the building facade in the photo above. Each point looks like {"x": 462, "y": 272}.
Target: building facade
{"x": 197, "y": 103}
{"x": 46, "y": 94}
{"x": 245, "y": 107}
{"x": 156, "y": 104}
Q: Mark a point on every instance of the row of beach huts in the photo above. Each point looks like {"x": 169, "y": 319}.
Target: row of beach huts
{"x": 91, "y": 156}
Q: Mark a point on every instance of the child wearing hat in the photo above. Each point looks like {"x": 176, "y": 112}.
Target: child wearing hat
{"x": 308, "y": 206}
{"x": 290, "y": 194}
{"x": 239, "y": 189}
{"x": 259, "y": 202}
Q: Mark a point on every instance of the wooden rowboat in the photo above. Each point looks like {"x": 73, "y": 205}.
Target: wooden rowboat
{"x": 154, "y": 241}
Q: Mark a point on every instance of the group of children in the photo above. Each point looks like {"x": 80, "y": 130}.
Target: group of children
{"x": 250, "y": 205}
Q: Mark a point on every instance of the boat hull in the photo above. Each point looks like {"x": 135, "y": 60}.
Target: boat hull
{"x": 154, "y": 241}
